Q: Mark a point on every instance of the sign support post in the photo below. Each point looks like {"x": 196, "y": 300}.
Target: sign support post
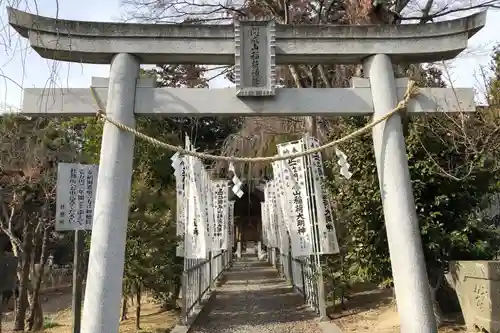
{"x": 77, "y": 279}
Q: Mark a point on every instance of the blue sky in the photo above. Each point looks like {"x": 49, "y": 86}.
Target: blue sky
{"x": 23, "y": 67}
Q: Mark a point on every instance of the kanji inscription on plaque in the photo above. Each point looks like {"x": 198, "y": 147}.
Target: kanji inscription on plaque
{"x": 255, "y": 40}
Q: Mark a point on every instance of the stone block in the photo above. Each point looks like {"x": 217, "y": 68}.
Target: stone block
{"x": 477, "y": 284}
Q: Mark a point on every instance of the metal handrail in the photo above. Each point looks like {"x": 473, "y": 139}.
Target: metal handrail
{"x": 300, "y": 272}
{"x": 198, "y": 278}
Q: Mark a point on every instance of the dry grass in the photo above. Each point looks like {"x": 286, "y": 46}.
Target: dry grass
{"x": 57, "y": 311}
{"x": 374, "y": 312}
{"x": 383, "y": 320}
{"x": 153, "y": 319}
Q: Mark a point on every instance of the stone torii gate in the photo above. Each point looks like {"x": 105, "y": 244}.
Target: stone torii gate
{"x": 255, "y": 47}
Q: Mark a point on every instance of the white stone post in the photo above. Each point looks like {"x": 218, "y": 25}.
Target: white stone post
{"x": 403, "y": 233}
{"x": 238, "y": 250}
{"x": 101, "y": 310}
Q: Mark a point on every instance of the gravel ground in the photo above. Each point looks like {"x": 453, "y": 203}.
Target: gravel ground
{"x": 255, "y": 300}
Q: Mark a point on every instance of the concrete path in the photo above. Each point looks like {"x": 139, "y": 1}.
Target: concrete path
{"x": 255, "y": 300}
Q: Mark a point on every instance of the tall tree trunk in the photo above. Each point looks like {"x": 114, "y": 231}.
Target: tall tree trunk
{"x": 24, "y": 281}
{"x": 311, "y": 126}
{"x": 438, "y": 314}
{"x": 138, "y": 308}
{"x": 124, "y": 308}
{"x": 37, "y": 323}
{"x": 35, "y": 319}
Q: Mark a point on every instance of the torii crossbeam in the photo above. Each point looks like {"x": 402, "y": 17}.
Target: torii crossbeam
{"x": 169, "y": 102}
{"x": 255, "y": 47}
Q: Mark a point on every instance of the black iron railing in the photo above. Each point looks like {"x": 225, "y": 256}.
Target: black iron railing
{"x": 300, "y": 272}
{"x": 198, "y": 279}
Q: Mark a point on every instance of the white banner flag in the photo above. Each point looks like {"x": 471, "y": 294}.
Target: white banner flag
{"x": 220, "y": 203}
{"x": 268, "y": 210}
{"x": 275, "y": 215}
{"x": 296, "y": 192}
{"x": 280, "y": 191}
{"x": 202, "y": 203}
{"x": 75, "y": 196}
{"x": 196, "y": 232}
{"x": 280, "y": 219}
{"x": 265, "y": 223}
{"x": 270, "y": 207}
{"x": 324, "y": 213}
{"x": 180, "y": 183}
{"x": 230, "y": 225}
{"x": 208, "y": 208}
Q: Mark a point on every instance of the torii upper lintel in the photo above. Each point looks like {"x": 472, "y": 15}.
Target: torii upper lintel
{"x": 88, "y": 42}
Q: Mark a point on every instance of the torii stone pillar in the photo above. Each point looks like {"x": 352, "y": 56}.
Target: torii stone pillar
{"x": 255, "y": 47}
{"x": 107, "y": 250}
{"x": 403, "y": 232}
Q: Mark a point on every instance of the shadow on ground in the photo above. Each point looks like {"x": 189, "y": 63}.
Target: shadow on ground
{"x": 360, "y": 302}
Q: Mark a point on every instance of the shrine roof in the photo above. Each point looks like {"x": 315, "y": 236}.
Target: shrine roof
{"x": 89, "y": 42}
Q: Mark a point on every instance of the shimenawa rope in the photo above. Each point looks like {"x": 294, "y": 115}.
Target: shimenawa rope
{"x": 411, "y": 90}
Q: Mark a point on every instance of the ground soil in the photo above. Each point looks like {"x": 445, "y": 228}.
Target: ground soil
{"x": 57, "y": 311}
{"x": 374, "y": 311}
{"x": 371, "y": 311}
